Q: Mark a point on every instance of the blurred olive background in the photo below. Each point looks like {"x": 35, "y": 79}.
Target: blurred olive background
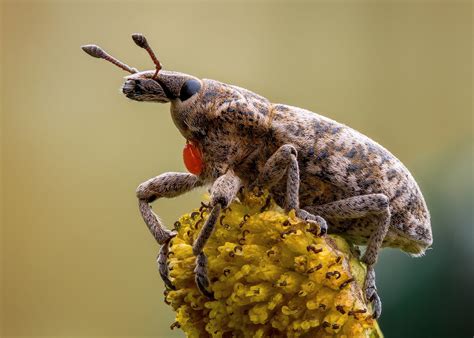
{"x": 77, "y": 260}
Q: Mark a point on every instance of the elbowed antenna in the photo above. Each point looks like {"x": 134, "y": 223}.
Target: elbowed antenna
{"x": 140, "y": 41}
{"x": 98, "y": 52}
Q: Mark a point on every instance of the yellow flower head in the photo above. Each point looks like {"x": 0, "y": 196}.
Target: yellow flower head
{"x": 271, "y": 275}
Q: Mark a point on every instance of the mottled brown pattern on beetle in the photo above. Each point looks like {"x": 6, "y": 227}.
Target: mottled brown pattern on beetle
{"x": 231, "y": 126}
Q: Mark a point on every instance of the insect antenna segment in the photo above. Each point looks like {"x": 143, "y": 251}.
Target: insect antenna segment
{"x": 99, "y": 53}
{"x": 141, "y": 41}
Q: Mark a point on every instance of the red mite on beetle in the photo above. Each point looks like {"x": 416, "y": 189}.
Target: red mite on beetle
{"x": 192, "y": 158}
{"x": 330, "y": 174}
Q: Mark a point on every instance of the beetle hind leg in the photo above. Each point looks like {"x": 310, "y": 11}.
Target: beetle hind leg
{"x": 356, "y": 207}
{"x": 371, "y": 292}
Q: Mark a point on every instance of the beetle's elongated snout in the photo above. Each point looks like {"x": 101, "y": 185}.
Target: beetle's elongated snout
{"x": 167, "y": 86}
{"x": 155, "y": 86}
{"x": 144, "y": 89}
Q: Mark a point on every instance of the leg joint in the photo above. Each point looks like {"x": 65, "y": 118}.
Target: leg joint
{"x": 224, "y": 190}
{"x": 222, "y": 200}
{"x": 381, "y": 201}
{"x": 288, "y": 150}
{"x": 143, "y": 193}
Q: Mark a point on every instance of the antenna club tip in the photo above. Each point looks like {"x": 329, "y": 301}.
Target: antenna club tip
{"x": 140, "y": 40}
{"x": 94, "y": 50}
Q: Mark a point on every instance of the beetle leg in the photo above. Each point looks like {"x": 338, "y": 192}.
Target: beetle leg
{"x": 284, "y": 161}
{"x": 223, "y": 191}
{"x": 162, "y": 261}
{"x": 166, "y": 185}
{"x": 358, "y": 207}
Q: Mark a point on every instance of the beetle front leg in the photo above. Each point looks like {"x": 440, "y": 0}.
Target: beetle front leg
{"x": 166, "y": 185}
{"x": 358, "y": 207}
{"x": 284, "y": 162}
{"x": 223, "y": 191}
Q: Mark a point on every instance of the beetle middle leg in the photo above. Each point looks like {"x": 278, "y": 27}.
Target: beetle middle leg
{"x": 283, "y": 163}
{"x": 223, "y": 191}
{"x": 358, "y": 207}
{"x": 165, "y": 185}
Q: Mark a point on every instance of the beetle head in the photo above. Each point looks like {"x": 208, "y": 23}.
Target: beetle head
{"x": 165, "y": 87}
{"x": 154, "y": 85}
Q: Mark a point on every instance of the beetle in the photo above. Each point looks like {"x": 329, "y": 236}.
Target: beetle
{"x": 329, "y": 173}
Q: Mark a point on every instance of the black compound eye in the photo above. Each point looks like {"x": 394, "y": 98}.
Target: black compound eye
{"x": 188, "y": 89}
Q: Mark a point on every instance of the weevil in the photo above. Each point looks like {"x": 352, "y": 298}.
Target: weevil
{"x": 329, "y": 173}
